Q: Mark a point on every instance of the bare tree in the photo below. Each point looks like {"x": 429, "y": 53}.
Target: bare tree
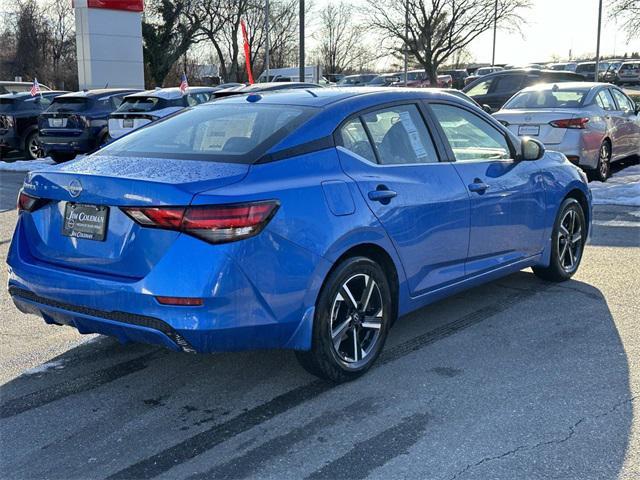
{"x": 63, "y": 44}
{"x": 628, "y": 11}
{"x": 340, "y": 37}
{"x": 168, "y": 31}
{"x": 438, "y": 29}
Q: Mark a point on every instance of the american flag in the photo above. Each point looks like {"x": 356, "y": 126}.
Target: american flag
{"x": 184, "y": 85}
{"x": 35, "y": 88}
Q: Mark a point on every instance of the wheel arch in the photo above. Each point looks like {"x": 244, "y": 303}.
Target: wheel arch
{"x": 379, "y": 255}
{"x": 27, "y": 131}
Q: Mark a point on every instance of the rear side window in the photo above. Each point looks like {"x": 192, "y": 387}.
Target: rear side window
{"x": 216, "y": 132}
{"x": 69, "y": 104}
{"x": 507, "y": 83}
{"x": 623, "y": 102}
{"x": 354, "y": 138}
{"x": 470, "y": 137}
{"x": 7, "y": 104}
{"x": 605, "y": 100}
{"x": 400, "y": 135}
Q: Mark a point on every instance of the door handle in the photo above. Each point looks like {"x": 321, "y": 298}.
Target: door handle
{"x": 382, "y": 194}
{"x": 478, "y": 186}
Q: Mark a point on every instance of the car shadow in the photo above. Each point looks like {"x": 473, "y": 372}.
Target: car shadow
{"x": 515, "y": 365}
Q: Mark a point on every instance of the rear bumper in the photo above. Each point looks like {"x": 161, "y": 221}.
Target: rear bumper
{"x": 580, "y": 148}
{"x": 82, "y": 143}
{"x": 244, "y": 307}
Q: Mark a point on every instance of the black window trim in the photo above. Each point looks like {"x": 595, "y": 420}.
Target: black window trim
{"x": 491, "y": 121}
{"x": 439, "y": 147}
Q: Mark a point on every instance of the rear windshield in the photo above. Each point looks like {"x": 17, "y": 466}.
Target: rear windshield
{"x": 630, "y": 66}
{"x": 69, "y": 104}
{"x": 142, "y": 104}
{"x": 216, "y": 132}
{"x": 547, "y": 99}
{"x": 7, "y": 105}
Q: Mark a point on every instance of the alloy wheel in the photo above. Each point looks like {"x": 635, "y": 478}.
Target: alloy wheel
{"x": 570, "y": 240}
{"x": 604, "y": 161}
{"x": 356, "y": 319}
{"x": 33, "y": 146}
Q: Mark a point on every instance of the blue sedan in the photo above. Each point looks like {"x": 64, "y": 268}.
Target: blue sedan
{"x": 306, "y": 220}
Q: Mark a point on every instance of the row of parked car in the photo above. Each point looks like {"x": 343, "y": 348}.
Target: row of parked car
{"x": 62, "y": 125}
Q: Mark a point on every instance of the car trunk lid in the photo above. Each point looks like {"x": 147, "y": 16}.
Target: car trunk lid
{"x": 536, "y": 123}
{"x": 127, "y": 250}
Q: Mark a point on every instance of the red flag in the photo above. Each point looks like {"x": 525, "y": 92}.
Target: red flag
{"x": 247, "y": 51}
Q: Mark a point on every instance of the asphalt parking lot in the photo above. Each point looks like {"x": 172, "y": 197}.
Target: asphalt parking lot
{"x": 517, "y": 379}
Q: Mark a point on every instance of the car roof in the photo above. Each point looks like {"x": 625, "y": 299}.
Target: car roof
{"x": 18, "y": 95}
{"x": 171, "y": 93}
{"x": 98, "y": 92}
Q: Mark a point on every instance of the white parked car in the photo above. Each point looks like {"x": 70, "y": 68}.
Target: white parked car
{"x": 593, "y": 124}
{"x": 139, "y": 109}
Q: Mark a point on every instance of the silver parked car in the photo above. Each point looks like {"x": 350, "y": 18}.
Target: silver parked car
{"x": 593, "y": 124}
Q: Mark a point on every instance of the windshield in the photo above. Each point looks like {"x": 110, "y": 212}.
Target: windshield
{"x": 222, "y": 132}
{"x": 69, "y": 104}
{"x": 139, "y": 104}
{"x": 547, "y": 99}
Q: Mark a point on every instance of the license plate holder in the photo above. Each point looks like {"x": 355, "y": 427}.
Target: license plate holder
{"x": 127, "y": 123}
{"x": 532, "y": 130}
{"x": 57, "y": 122}
{"x": 88, "y": 222}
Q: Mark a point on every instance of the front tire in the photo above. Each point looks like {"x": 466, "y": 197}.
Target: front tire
{"x": 567, "y": 243}
{"x": 352, "y": 318}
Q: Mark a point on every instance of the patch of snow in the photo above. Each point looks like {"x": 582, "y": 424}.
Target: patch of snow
{"x": 26, "y": 165}
{"x": 622, "y": 188}
{"x": 56, "y": 365}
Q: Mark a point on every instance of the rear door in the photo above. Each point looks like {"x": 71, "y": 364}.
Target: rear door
{"x": 419, "y": 200}
{"x": 507, "y": 196}
{"x": 628, "y": 121}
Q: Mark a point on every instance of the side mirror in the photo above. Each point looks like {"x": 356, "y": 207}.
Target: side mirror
{"x": 531, "y": 149}
{"x": 487, "y": 108}
{"x": 637, "y": 109}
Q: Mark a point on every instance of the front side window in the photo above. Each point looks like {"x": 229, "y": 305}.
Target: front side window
{"x": 400, "y": 136}
{"x": 354, "y": 138}
{"x": 481, "y": 88}
{"x": 216, "y": 132}
{"x": 470, "y": 137}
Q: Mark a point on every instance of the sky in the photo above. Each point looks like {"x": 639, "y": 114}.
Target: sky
{"x": 553, "y": 28}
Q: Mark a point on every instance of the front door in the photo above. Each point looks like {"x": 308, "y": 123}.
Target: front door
{"x": 420, "y": 201}
{"x": 507, "y": 196}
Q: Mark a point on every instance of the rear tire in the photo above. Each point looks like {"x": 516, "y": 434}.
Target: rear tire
{"x": 567, "y": 243}
{"x": 603, "y": 169}
{"x": 32, "y": 146}
{"x": 62, "y": 157}
{"x": 352, "y": 318}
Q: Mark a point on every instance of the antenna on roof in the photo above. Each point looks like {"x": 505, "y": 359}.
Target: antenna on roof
{"x": 311, "y": 93}
{"x": 106, "y": 85}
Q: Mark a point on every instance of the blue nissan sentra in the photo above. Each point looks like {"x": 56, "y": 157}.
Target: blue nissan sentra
{"x": 306, "y": 220}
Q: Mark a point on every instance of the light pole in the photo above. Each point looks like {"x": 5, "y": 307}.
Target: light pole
{"x": 266, "y": 42}
{"x": 495, "y": 32}
{"x": 598, "y": 43}
{"x": 406, "y": 40}
{"x": 302, "y": 69}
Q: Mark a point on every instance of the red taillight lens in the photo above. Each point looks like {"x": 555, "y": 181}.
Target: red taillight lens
{"x": 570, "y": 123}
{"x": 213, "y": 223}
{"x": 29, "y": 203}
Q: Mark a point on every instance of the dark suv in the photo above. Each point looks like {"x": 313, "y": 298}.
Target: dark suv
{"x": 458, "y": 76}
{"x": 19, "y": 121}
{"x": 77, "y": 122}
{"x": 496, "y": 88}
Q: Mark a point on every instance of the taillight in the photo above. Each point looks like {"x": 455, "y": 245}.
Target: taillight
{"x": 212, "y": 223}
{"x": 570, "y": 123}
{"x": 29, "y": 203}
